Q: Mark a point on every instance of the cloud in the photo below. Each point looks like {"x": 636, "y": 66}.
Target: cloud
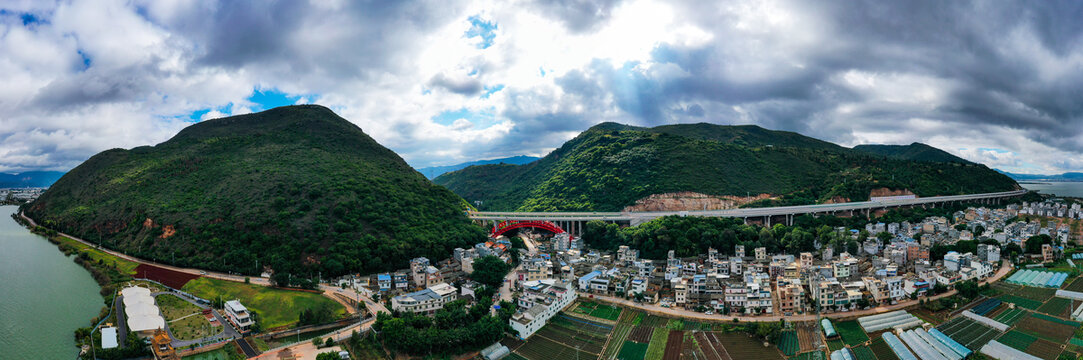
{"x": 442, "y": 82}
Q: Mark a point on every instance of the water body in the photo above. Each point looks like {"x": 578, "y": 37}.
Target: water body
{"x": 44, "y": 295}
{"x": 1072, "y": 189}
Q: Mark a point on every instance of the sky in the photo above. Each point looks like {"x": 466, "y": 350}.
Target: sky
{"x": 443, "y": 82}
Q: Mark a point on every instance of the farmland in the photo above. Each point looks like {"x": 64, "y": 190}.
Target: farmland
{"x": 1076, "y": 285}
{"x": 657, "y": 346}
{"x": 616, "y": 339}
{"x": 601, "y": 311}
{"x": 1033, "y": 293}
{"x": 566, "y": 337}
{"x": 967, "y": 332}
{"x": 863, "y": 353}
{"x": 741, "y": 346}
{"x": 788, "y": 343}
{"x": 851, "y": 333}
{"x": 1044, "y": 349}
{"x": 1021, "y": 301}
{"x": 1047, "y": 327}
{"x": 674, "y": 346}
{"x": 1010, "y": 316}
{"x": 1057, "y": 307}
{"x": 882, "y": 351}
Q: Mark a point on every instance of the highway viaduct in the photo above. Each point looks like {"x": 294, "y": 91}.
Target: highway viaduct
{"x": 573, "y": 222}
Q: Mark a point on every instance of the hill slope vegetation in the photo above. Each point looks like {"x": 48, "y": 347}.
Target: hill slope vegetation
{"x": 610, "y": 166}
{"x": 295, "y": 188}
{"x": 914, "y": 151}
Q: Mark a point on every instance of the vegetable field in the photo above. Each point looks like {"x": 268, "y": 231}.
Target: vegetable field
{"x": 851, "y": 333}
{"x": 742, "y": 347}
{"x": 971, "y": 334}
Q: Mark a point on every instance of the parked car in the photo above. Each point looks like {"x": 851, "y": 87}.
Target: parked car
{"x": 709, "y": 312}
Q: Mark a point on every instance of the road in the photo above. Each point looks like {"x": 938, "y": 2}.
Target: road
{"x": 200, "y": 272}
{"x": 676, "y": 312}
{"x": 639, "y": 217}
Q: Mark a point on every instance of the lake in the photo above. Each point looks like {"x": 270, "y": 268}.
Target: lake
{"x": 1073, "y": 189}
{"x": 45, "y": 296}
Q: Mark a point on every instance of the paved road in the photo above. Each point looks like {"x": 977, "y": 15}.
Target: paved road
{"x": 200, "y": 272}
{"x": 677, "y": 312}
{"x": 636, "y": 217}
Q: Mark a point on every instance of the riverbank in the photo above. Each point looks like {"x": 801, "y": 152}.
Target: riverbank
{"x": 45, "y": 298}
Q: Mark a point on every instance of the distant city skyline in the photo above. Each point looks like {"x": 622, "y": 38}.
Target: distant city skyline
{"x": 446, "y": 82}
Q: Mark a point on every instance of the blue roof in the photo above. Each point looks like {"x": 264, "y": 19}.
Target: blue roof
{"x": 383, "y": 277}
{"x": 593, "y": 274}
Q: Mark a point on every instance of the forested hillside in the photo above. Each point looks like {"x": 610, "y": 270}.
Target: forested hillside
{"x": 610, "y": 166}
{"x": 297, "y": 188}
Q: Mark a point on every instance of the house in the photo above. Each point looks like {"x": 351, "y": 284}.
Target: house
{"x": 238, "y": 315}
{"x": 384, "y": 281}
{"x": 541, "y": 300}
{"x": 426, "y": 301}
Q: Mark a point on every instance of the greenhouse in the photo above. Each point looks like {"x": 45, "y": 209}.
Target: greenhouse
{"x": 897, "y": 347}
{"x": 843, "y": 354}
{"x": 1038, "y": 278}
{"x": 829, "y": 330}
{"x": 996, "y": 350}
{"x": 896, "y": 319}
{"x": 920, "y": 347}
{"x": 954, "y": 345}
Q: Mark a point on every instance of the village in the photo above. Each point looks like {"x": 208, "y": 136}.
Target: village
{"x": 897, "y": 265}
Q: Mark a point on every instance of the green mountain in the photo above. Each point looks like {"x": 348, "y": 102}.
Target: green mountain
{"x": 296, "y": 188}
{"x": 610, "y": 166}
{"x": 434, "y": 171}
{"x": 915, "y": 151}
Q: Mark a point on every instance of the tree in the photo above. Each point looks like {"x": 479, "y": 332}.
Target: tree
{"x": 490, "y": 270}
{"x": 327, "y": 356}
{"x": 968, "y": 289}
{"x": 884, "y": 236}
{"x": 1034, "y": 243}
{"x": 330, "y": 342}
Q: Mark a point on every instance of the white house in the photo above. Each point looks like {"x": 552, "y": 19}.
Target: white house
{"x": 541, "y": 299}
{"x": 426, "y": 301}
{"x": 238, "y": 315}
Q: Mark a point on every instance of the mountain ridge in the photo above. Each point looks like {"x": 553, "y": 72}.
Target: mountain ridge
{"x": 295, "y": 188}
{"x": 432, "y": 172}
{"x": 610, "y": 166}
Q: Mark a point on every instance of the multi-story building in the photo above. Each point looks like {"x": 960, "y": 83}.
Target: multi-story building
{"x": 541, "y": 300}
{"x": 238, "y": 316}
{"x": 426, "y": 301}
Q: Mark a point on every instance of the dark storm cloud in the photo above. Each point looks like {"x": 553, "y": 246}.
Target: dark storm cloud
{"x": 578, "y": 15}
{"x": 464, "y": 86}
{"x": 1014, "y": 65}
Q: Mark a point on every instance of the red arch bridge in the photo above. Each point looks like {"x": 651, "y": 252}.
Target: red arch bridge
{"x": 504, "y": 226}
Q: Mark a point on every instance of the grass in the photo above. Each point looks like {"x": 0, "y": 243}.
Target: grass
{"x": 276, "y": 307}
{"x": 657, "y": 346}
{"x": 851, "y": 333}
{"x": 124, "y": 266}
{"x": 186, "y": 320}
{"x": 632, "y": 350}
{"x": 607, "y": 312}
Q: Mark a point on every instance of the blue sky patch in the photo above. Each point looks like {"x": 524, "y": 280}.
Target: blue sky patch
{"x": 271, "y": 98}
{"x": 481, "y": 28}
{"x": 86, "y": 60}
{"x": 480, "y": 120}
{"x": 489, "y": 90}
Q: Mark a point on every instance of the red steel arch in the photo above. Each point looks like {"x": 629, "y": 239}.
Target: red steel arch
{"x": 504, "y": 226}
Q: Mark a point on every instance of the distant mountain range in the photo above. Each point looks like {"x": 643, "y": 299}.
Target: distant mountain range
{"x": 30, "y": 179}
{"x": 1068, "y": 176}
{"x": 433, "y": 171}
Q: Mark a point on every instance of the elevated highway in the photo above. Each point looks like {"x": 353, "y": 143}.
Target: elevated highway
{"x": 573, "y": 221}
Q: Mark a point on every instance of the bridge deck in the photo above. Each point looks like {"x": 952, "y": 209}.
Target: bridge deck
{"x": 750, "y": 212}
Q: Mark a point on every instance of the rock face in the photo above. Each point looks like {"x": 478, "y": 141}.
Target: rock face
{"x": 881, "y": 192}
{"x": 691, "y": 201}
